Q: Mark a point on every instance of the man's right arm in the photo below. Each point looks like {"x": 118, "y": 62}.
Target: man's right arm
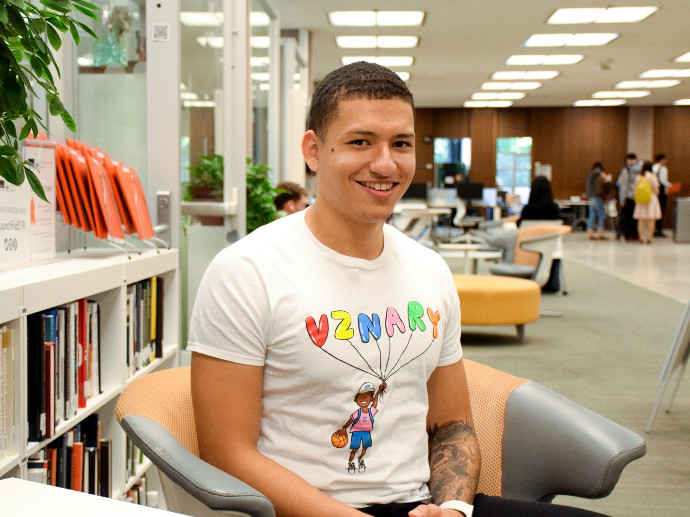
{"x": 227, "y": 400}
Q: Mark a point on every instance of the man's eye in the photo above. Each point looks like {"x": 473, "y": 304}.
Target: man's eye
{"x": 402, "y": 143}
{"x": 359, "y": 141}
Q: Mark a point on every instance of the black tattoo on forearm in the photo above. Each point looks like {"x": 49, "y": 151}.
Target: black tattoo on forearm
{"x": 453, "y": 461}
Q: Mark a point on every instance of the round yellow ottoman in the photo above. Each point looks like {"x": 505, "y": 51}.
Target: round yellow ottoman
{"x": 498, "y": 300}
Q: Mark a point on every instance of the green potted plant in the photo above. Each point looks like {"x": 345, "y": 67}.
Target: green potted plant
{"x": 26, "y": 60}
{"x": 205, "y": 180}
{"x": 260, "y": 195}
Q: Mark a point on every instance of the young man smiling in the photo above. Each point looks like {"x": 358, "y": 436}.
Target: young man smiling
{"x": 291, "y": 319}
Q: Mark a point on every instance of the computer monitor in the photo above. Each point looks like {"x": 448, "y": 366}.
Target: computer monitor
{"x": 469, "y": 191}
{"x": 416, "y": 191}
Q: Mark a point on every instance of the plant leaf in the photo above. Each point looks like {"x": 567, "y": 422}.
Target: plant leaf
{"x": 26, "y": 129}
{"x": 86, "y": 11}
{"x": 75, "y": 33}
{"x": 53, "y": 37}
{"x": 8, "y": 171}
{"x": 87, "y": 29}
{"x": 6, "y": 150}
{"x": 35, "y": 184}
{"x": 69, "y": 121}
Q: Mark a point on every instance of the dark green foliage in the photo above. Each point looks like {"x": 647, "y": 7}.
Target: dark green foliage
{"x": 25, "y": 57}
{"x": 260, "y": 194}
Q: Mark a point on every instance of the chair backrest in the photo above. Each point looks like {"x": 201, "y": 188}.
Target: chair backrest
{"x": 489, "y": 392}
{"x": 544, "y": 247}
{"x": 165, "y": 397}
{"x": 504, "y": 240}
{"x": 460, "y": 212}
{"x": 529, "y": 231}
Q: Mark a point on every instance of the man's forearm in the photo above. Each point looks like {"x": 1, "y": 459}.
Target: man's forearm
{"x": 454, "y": 462}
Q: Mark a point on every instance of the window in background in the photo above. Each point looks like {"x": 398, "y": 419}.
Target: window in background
{"x": 110, "y": 92}
{"x": 514, "y": 165}
{"x": 451, "y": 161}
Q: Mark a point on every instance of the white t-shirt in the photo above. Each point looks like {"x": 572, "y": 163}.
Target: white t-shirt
{"x": 321, "y": 324}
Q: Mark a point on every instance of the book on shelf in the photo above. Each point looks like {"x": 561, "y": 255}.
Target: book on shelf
{"x": 105, "y": 468}
{"x": 63, "y": 367}
{"x": 7, "y": 396}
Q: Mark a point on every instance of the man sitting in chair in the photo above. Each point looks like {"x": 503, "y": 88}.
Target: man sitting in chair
{"x": 294, "y": 318}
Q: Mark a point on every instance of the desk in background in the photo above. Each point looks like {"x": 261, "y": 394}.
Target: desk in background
{"x": 21, "y": 497}
{"x": 579, "y": 209}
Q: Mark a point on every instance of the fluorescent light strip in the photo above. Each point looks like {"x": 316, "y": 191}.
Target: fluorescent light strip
{"x": 630, "y": 94}
{"x": 381, "y": 60}
{"x": 682, "y": 102}
{"x": 601, "y": 15}
{"x": 527, "y": 76}
{"x": 593, "y": 103}
{"x": 487, "y": 104}
{"x": 502, "y": 96}
{"x": 542, "y": 59}
{"x": 376, "y": 18}
{"x": 570, "y": 40}
{"x": 684, "y": 58}
{"x": 522, "y": 85}
{"x": 201, "y": 18}
{"x": 656, "y": 74}
{"x": 376, "y": 41}
{"x": 199, "y": 104}
{"x": 659, "y": 83}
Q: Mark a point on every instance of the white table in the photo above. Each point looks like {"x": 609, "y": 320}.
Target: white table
{"x": 20, "y": 497}
{"x": 471, "y": 252}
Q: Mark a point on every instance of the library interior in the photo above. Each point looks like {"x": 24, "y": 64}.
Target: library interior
{"x": 155, "y": 134}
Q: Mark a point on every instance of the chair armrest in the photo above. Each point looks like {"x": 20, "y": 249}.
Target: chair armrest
{"x": 554, "y": 446}
{"x": 216, "y": 489}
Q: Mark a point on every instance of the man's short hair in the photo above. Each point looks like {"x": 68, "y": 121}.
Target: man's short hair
{"x": 293, "y": 192}
{"x": 361, "y": 80}
{"x": 631, "y": 156}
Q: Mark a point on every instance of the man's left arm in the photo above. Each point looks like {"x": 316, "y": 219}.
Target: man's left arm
{"x": 454, "y": 458}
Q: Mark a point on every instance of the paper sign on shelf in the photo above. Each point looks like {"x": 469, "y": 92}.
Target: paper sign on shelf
{"x": 42, "y": 215}
{"x": 15, "y": 237}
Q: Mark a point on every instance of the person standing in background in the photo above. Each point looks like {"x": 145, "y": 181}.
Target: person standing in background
{"x": 626, "y": 202}
{"x": 646, "y": 213}
{"x": 661, "y": 172}
{"x": 597, "y": 186}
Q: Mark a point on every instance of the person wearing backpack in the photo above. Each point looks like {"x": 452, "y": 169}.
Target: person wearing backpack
{"x": 627, "y": 228}
{"x": 647, "y": 208}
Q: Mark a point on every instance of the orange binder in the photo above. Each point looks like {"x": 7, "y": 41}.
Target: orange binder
{"x": 125, "y": 217}
{"x": 104, "y": 199}
{"x": 81, "y": 176}
{"x": 62, "y": 188}
{"x": 81, "y": 220}
{"x": 135, "y": 200}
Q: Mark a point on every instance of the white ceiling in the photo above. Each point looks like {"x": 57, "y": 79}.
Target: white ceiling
{"x": 463, "y": 42}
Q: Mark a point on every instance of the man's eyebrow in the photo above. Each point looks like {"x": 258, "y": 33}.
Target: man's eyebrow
{"x": 363, "y": 132}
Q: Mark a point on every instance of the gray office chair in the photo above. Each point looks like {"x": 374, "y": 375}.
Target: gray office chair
{"x": 535, "y": 444}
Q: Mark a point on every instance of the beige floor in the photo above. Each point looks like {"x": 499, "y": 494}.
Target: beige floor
{"x": 663, "y": 266}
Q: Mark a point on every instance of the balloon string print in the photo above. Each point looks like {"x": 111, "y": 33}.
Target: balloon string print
{"x": 372, "y": 327}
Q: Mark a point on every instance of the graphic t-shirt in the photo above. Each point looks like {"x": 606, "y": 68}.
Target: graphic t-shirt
{"x": 321, "y": 324}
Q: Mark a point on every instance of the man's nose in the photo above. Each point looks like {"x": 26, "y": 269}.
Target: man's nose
{"x": 383, "y": 163}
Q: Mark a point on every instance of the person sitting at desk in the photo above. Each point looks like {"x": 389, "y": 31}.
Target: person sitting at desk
{"x": 541, "y": 205}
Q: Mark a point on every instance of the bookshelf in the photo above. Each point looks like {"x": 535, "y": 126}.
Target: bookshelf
{"x": 103, "y": 276}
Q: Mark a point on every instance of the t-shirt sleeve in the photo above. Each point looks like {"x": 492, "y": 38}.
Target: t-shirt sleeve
{"x": 231, "y": 312}
{"x": 451, "y": 350}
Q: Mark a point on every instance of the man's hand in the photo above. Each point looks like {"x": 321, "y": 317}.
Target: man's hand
{"x": 431, "y": 510}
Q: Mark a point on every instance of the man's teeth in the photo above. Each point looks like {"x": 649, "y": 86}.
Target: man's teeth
{"x": 379, "y": 186}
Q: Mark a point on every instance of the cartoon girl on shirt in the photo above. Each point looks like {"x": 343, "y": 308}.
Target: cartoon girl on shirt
{"x": 362, "y": 422}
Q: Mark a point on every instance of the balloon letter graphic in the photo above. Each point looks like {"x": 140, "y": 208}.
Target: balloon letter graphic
{"x": 343, "y": 330}
{"x": 434, "y": 317}
{"x": 367, "y": 326}
{"x": 415, "y": 311}
{"x": 318, "y": 334}
{"x": 393, "y": 320}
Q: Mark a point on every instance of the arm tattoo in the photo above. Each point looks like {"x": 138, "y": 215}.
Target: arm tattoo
{"x": 453, "y": 461}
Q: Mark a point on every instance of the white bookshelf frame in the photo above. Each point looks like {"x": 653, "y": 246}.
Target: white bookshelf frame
{"x": 102, "y": 275}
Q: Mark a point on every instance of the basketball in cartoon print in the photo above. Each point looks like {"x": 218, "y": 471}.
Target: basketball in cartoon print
{"x": 339, "y": 439}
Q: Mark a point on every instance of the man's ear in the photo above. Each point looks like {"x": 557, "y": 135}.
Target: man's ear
{"x": 310, "y": 149}
{"x": 289, "y": 207}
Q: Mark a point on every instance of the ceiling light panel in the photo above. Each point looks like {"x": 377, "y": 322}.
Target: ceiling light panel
{"x": 376, "y": 18}
{"x": 601, "y": 15}
{"x": 630, "y": 94}
{"x": 487, "y": 104}
{"x": 656, "y": 74}
{"x": 526, "y": 76}
{"x": 541, "y": 59}
{"x": 685, "y": 58}
{"x": 486, "y": 96}
{"x": 381, "y": 60}
{"x": 660, "y": 83}
{"x": 201, "y": 19}
{"x": 518, "y": 85}
{"x": 595, "y": 39}
{"x": 682, "y": 102}
{"x": 376, "y": 41}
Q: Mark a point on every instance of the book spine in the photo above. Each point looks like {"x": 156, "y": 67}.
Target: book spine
{"x": 153, "y": 316}
{"x": 61, "y": 367}
{"x": 4, "y": 431}
{"x": 82, "y": 354}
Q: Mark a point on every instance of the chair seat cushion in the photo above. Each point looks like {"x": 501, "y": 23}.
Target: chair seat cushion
{"x": 497, "y": 300}
{"x": 516, "y": 270}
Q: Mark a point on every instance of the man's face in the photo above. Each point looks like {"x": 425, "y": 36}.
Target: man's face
{"x": 365, "y": 160}
{"x": 364, "y": 399}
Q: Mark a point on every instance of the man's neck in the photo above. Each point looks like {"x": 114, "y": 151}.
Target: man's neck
{"x": 362, "y": 241}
